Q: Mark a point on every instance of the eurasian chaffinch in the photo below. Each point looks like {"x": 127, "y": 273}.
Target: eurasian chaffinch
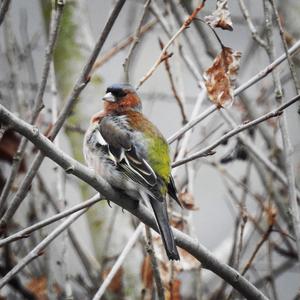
{"x": 130, "y": 153}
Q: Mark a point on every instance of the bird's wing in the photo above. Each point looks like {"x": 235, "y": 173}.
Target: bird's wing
{"x": 119, "y": 137}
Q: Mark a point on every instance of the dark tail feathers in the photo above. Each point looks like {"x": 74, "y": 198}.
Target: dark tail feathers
{"x": 166, "y": 233}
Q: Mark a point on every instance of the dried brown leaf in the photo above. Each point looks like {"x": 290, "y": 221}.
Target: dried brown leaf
{"x": 220, "y": 77}
{"x": 38, "y": 287}
{"x": 9, "y": 146}
{"x": 147, "y": 273}
{"x": 220, "y": 17}
{"x": 116, "y": 285}
{"x": 271, "y": 215}
{"x": 187, "y": 200}
{"x": 173, "y": 291}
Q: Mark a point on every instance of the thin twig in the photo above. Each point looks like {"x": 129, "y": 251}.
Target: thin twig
{"x": 251, "y": 26}
{"x": 258, "y": 246}
{"x": 119, "y": 262}
{"x": 182, "y": 240}
{"x": 184, "y": 26}
{"x": 39, "y": 249}
{"x": 3, "y": 9}
{"x": 136, "y": 38}
{"x": 283, "y": 39}
{"x": 70, "y": 102}
{"x": 53, "y": 34}
{"x": 287, "y": 146}
{"x": 173, "y": 88}
{"x": 24, "y": 233}
{"x": 207, "y": 151}
{"x": 189, "y": 64}
{"x": 263, "y": 73}
{"x": 154, "y": 264}
{"x": 124, "y": 43}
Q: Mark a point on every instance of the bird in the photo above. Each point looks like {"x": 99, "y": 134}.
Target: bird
{"x": 131, "y": 154}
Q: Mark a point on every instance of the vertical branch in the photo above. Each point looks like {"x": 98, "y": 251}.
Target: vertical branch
{"x": 283, "y": 39}
{"x": 185, "y": 25}
{"x": 251, "y": 26}
{"x": 53, "y": 34}
{"x": 79, "y": 86}
{"x": 3, "y": 9}
{"x": 174, "y": 90}
{"x": 39, "y": 249}
{"x": 118, "y": 262}
{"x": 154, "y": 264}
{"x": 287, "y": 147}
{"x": 136, "y": 38}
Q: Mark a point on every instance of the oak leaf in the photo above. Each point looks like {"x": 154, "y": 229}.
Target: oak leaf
{"x": 220, "y": 17}
{"x": 220, "y": 77}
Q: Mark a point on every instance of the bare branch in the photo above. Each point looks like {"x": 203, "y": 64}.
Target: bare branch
{"x": 53, "y": 34}
{"x": 3, "y": 9}
{"x": 156, "y": 274}
{"x": 119, "y": 262}
{"x": 136, "y": 38}
{"x": 79, "y": 86}
{"x": 26, "y": 231}
{"x": 251, "y": 26}
{"x": 174, "y": 37}
{"x": 206, "y": 151}
{"x": 39, "y": 249}
{"x": 182, "y": 240}
{"x": 283, "y": 39}
{"x": 263, "y": 73}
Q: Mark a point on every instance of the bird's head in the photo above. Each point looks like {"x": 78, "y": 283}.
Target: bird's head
{"x": 121, "y": 97}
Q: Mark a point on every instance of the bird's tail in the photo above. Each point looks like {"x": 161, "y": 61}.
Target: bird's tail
{"x": 161, "y": 215}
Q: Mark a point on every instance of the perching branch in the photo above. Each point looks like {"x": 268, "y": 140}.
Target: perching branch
{"x": 182, "y": 240}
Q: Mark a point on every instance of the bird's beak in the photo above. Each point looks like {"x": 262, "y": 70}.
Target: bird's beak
{"x": 109, "y": 97}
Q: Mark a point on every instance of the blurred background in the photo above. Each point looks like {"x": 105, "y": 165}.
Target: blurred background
{"x": 232, "y": 203}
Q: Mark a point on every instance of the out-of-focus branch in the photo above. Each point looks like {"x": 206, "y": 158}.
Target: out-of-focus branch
{"x": 26, "y": 231}
{"x": 182, "y": 240}
{"x": 124, "y": 43}
{"x": 154, "y": 264}
{"x": 282, "y": 35}
{"x": 53, "y": 34}
{"x": 174, "y": 90}
{"x": 3, "y": 9}
{"x": 287, "y": 147}
{"x": 119, "y": 262}
{"x": 39, "y": 249}
{"x": 70, "y": 102}
{"x": 136, "y": 38}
